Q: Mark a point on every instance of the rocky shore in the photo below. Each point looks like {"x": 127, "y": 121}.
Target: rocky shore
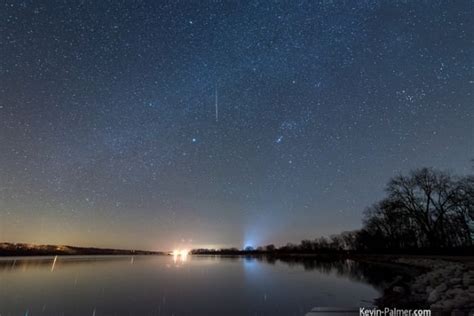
{"x": 441, "y": 285}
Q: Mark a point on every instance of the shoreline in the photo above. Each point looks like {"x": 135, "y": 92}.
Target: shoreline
{"x": 443, "y": 285}
{"x": 31, "y": 250}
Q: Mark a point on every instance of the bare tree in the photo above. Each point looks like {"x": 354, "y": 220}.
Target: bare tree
{"x": 427, "y": 208}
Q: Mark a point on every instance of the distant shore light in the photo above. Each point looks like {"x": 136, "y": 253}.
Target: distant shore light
{"x": 181, "y": 253}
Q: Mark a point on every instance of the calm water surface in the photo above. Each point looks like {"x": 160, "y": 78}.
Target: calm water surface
{"x": 200, "y": 285}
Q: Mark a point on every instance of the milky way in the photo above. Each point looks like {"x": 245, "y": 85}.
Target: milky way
{"x": 150, "y": 124}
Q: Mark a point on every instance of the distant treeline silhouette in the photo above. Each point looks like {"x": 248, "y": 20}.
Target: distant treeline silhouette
{"x": 426, "y": 211}
{"x": 22, "y": 249}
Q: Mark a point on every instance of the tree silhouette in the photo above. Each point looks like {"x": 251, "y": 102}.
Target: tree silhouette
{"x": 427, "y": 210}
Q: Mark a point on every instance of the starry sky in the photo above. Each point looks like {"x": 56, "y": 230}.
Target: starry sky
{"x": 109, "y": 134}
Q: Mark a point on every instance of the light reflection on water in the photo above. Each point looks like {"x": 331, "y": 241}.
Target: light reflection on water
{"x": 182, "y": 285}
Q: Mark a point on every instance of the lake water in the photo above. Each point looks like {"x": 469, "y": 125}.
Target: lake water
{"x": 199, "y": 285}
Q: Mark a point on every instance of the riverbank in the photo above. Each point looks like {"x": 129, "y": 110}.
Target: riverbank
{"x": 442, "y": 284}
{"x": 22, "y": 249}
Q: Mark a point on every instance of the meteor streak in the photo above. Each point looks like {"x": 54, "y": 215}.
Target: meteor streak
{"x": 216, "y": 105}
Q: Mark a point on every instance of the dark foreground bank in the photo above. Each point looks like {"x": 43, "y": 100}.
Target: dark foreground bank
{"x": 441, "y": 284}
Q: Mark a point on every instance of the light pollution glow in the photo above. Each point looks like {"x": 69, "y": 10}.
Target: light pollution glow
{"x": 180, "y": 254}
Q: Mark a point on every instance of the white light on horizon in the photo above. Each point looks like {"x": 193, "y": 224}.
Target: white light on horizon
{"x": 181, "y": 254}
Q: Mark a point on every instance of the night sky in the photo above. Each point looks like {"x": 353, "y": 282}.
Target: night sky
{"x": 109, "y": 134}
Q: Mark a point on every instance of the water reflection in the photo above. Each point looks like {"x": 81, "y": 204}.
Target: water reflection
{"x": 29, "y": 263}
{"x": 136, "y": 285}
{"x": 54, "y": 263}
{"x": 376, "y": 274}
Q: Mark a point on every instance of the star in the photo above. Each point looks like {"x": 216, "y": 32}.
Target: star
{"x": 177, "y": 108}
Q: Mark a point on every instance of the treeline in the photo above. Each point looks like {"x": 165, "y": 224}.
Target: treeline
{"x": 427, "y": 211}
{"x": 21, "y": 249}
